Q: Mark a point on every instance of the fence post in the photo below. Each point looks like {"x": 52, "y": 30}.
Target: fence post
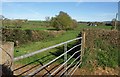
{"x": 65, "y": 57}
{"x": 0, "y": 59}
{"x": 83, "y": 45}
{"x": 0, "y": 50}
{"x": 7, "y": 50}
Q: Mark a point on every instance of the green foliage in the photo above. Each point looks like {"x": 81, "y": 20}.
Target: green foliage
{"x": 102, "y": 48}
{"x": 24, "y": 36}
{"x": 46, "y": 39}
{"x": 63, "y": 22}
{"x": 7, "y": 23}
{"x": 103, "y": 54}
{"x": 86, "y": 58}
{"x": 24, "y": 24}
{"x": 107, "y": 55}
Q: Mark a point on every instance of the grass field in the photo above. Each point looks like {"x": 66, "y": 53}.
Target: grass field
{"x": 31, "y": 47}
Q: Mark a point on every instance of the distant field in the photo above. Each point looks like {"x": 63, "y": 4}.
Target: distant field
{"x": 33, "y": 25}
{"x": 31, "y": 47}
{"x": 36, "y": 25}
{"x": 43, "y": 25}
{"x": 61, "y": 38}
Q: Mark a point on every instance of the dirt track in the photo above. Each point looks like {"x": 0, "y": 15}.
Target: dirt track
{"x": 79, "y": 71}
{"x": 45, "y": 71}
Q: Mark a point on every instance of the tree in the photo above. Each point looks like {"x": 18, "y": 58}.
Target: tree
{"x": 63, "y": 21}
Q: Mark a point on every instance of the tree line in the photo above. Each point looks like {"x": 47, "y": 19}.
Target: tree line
{"x": 62, "y": 21}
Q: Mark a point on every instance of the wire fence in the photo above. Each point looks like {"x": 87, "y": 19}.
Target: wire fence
{"x": 73, "y": 65}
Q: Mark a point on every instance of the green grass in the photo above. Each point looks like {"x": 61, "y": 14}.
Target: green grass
{"x": 29, "y": 28}
{"x": 103, "y": 54}
{"x": 34, "y": 46}
{"x": 31, "y": 25}
{"x": 94, "y": 27}
{"x": 42, "y": 25}
{"x": 107, "y": 54}
{"x": 46, "y": 43}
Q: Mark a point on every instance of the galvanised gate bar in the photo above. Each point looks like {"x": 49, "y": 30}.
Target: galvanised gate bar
{"x": 64, "y": 68}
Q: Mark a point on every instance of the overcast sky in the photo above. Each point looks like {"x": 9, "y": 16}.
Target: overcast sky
{"x": 81, "y": 11}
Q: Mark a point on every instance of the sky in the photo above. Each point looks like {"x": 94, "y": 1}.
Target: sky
{"x": 60, "y": 0}
{"x": 119, "y": 12}
{"x": 81, "y": 11}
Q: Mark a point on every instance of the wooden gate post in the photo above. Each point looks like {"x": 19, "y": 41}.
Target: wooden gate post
{"x": 6, "y": 53}
{"x": 0, "y": 59}
{"x": 83, "y": 45}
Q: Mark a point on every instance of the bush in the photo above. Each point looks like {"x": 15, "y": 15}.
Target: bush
{"x": 107, "y": 54}
{"x": 103, "y": 47}
{"x": 24, "y": 36}
{"x": 63, "y": 22}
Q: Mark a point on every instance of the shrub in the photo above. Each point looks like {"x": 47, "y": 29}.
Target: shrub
{"x": 63, "y": 22}
{"x": 107, "y": 54}
{"x": 103, "y": 47}
{"x": 24, "y": 36}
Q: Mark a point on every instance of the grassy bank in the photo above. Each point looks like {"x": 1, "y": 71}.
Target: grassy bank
{"x": 31, "y": 47}
{"x": 71, "y": 34}
{"x": 102, "y": 49}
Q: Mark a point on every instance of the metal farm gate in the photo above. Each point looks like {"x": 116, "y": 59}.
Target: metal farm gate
{"x": 63, "y": 69}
